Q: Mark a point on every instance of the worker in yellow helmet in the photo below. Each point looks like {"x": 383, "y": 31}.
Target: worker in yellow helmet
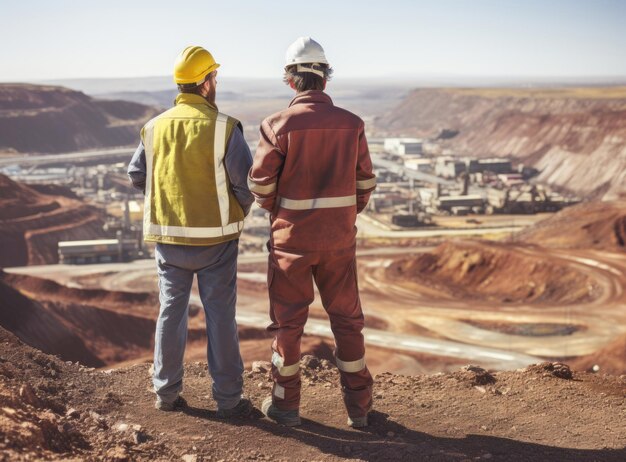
{"x": 192, "y": 165}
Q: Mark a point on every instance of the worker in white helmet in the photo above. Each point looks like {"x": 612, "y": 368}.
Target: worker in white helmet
{"x": 312, "y": 171}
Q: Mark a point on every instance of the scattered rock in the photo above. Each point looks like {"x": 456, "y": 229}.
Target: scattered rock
{"x": 139, "y": 437}
{"x": 121, "y": 427}
{"x": 28, "y": 396}
{"x": 310, "y": 362}
{"x": 118, "y": 454}
{"x": 261, "y": 366}
{"x": 559, "y": 370}
{"x": 72, "y": 413}
{"x": 477, "y": 375}
{"x": 190, "y": 458}
{"x": 98, "y": 419}
{"x": 326, "y": 364}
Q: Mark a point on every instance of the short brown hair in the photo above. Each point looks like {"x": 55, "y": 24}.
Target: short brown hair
{"x": 304, "y": 81}
{"x": 193, "y": 87}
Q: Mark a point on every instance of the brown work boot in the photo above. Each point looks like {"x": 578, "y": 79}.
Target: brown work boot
{"x": 287, "y": 418}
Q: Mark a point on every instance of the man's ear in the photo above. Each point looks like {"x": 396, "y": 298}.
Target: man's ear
{"x": 203, "y": 88}
{"x": 324, "y": 85}
{"x": 291, "y": 84}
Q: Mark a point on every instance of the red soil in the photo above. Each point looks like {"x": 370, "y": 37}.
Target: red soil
{"x": 490, "y": 270}
{"x": 597, "y": 225}
{"x": 52, "y": 410}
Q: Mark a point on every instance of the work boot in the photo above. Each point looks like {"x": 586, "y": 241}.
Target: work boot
{"x": 242, "y": 409}
{"x": 177, "y": 404}
{"x": 287, "y": 418}
{"x": 357, "y": 422}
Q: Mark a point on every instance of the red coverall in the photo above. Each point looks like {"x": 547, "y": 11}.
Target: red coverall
{"x": 312, "y": 171}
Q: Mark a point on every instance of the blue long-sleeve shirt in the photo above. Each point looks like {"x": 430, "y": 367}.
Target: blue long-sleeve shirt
{"x": 237, "y": 161}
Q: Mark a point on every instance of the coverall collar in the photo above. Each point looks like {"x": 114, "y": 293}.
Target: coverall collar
{"x": 192, "y": 98}
{"x": 311, "y": 96}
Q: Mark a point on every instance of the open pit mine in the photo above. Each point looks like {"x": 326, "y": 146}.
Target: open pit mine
{"x": 492, "y": 285}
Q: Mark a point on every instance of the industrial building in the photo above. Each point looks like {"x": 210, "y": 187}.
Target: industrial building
{"x": 419, "y": 164}
{"x": 450, "y": 167}
{"x": 461, "y": 204}
{"x": 98, "y": 251}
{"x": 404, "y": 146}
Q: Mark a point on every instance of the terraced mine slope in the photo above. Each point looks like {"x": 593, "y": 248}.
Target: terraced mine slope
{"x": 32, "y": 222}
{"x": 575, "y": 136}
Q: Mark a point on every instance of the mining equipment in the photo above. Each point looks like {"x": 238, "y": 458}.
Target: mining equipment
{"x": 412, "y": 220}
{"x": 526, "y": 199}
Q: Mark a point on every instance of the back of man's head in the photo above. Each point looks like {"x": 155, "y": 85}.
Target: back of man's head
{"x": 307, "y": 80}
{"x": 306, "y": 67}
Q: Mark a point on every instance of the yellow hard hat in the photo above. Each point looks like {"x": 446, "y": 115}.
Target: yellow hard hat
{"x": 192, "y": 65}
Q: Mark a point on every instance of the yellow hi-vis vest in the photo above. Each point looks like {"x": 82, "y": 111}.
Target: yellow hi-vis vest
{"x": 188, "y": 196}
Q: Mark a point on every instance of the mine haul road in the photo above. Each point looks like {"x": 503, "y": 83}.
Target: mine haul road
{"x": 598, "y": 321}
{"x": 108, "y": 156}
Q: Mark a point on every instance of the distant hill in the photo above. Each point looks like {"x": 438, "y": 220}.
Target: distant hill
{"x": 251, "y": 99}
{"x": 575, "y": 136}
{"x": 49, "y": 119}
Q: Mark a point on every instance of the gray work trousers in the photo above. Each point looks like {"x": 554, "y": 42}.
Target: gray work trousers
{"x": 216, "y": 267}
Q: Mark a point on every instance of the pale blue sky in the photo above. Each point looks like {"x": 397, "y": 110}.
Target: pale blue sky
{"x": 504, "y": 38}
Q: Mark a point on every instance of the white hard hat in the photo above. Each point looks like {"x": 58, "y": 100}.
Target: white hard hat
{"x": 305, "y": 50}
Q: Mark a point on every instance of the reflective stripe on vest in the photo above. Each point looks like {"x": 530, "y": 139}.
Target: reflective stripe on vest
{"x": 318, "y": 203}
{"x": 285, "y": 371}
{"x": 350, "y": 366}
{"x": 149, "y": 149}
{"x": 366, "y": 184}
{"x": 220, "y": 169}
{"x": 220, "y": 182}
{"x": 197, "y": 232}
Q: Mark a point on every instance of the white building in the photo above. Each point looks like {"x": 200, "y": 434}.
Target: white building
{"x": 403, "y": 146}
{"x": 421, "y": 165}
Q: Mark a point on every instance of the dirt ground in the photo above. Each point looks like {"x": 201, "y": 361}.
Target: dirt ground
{"x": 52, "y": 410}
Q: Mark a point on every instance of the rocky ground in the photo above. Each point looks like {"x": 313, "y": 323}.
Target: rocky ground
{"x": 53, "y": 410}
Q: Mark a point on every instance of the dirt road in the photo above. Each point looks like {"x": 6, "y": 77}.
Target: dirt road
{"x": 417, "y": 318}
